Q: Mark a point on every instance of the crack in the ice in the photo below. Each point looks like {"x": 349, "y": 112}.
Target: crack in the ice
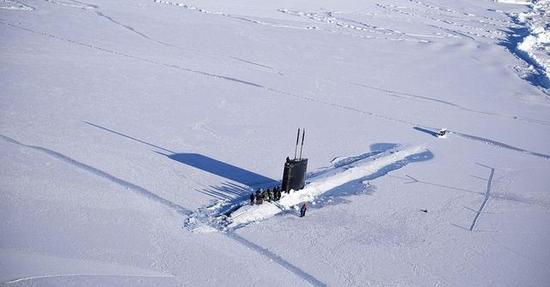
{"x": 127, "y": 136}
{"x": 499, "y": 144}
{"x": 487, "y": 196}
{"x": 408, "y": 96}
{"x": 133, "y": 30}
{"x": 276, "y": 258}
{"x": 30, "y": 278}
{"x": 236, "y": 80}
{"x": 95, "y": 171}
{"x": 114, "y": 52}
{"x": 148, "y": 194}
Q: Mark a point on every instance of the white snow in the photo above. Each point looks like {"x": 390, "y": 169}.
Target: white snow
{"x": 51, "y": 267}
{"x": 128, "y": 126}
{"x": 519, "y": 2}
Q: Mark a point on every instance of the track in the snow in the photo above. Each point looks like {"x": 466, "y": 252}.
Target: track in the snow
{"x": 97, "y": 172}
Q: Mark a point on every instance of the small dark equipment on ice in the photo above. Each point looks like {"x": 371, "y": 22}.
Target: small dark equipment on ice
{"x": 294, "y": 174}
{"x": 303, "y": 210}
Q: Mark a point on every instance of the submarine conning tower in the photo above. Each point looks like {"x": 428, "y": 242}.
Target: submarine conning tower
{"x": 294, "y": 173}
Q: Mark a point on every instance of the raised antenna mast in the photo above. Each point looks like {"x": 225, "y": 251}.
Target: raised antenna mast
{"x": 302, "y": 146}
{"x": 297, "y": 140}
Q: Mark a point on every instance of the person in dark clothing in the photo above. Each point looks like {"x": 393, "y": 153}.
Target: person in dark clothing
{"x": 252, "y": 198}
{"x": 303, "y": 210}
{"x": 259, "y": 197}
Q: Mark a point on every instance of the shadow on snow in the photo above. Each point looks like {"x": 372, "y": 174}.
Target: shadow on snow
{"x": 222, "y": 169}
{"x": 334, "y": 196}
{"x": 430, "y": 132}
{"x": 234, "y": 174}
{"x": 241, "y": 182}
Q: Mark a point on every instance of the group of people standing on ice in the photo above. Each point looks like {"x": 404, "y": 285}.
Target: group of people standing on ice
{"x": 261, "y": 195}
{"x": 272, "y": 194}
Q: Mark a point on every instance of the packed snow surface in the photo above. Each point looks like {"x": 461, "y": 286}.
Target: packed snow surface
{"x": 133, "y": 132}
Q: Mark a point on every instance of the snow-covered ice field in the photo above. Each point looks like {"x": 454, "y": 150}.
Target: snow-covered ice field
{"x": 127, "y": 129}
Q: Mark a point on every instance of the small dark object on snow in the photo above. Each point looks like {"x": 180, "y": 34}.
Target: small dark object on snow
{"x": 303, "y": 210}
{"x": 424, "y": 210}
{"x": 442, "y": 132}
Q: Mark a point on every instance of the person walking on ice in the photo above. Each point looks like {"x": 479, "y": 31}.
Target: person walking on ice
{"x": 303, "y": 210}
